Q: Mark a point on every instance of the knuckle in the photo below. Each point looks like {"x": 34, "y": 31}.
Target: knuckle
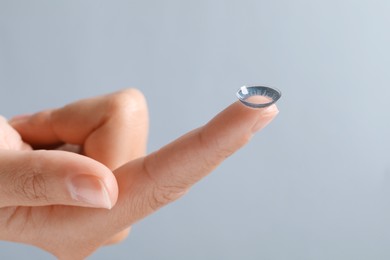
{"x": 160, "y": 193}
{"x": 32, "y": 186}
{"x": 30, "y": 183}
{"x": 224, "y": 152}
{"x": 243, "y": 140}
{"x": 127, "y": 100}
{"x": 127, "y": 107}
{"x": 221, "y": 148}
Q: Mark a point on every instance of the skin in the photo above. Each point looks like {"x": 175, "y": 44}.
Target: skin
{"x": 103, "y": 139}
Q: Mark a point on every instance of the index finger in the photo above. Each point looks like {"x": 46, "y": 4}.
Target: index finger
{"x": 163, "y": 176}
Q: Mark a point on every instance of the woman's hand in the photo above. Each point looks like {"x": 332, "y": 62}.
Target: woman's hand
{"x": 111, "y": 130}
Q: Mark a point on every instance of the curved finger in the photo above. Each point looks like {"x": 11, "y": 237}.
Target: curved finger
{"x": 38, "y": 178}
{"x": 112, "y": 129}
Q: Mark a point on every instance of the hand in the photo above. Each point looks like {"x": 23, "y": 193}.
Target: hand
{"x": 111, "y": 130}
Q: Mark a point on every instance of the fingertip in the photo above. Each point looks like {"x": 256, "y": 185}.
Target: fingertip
{"x": 107, "y": 179}
{"x": 88, "y": 181}
{"x": 265, "y": 117}
{"x": 89, "y": 191}
{"x": 111, "y": 187}
{"x": 272, "y": 109}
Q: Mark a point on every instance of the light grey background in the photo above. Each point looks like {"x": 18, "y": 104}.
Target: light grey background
{"x": 314, "y": 185}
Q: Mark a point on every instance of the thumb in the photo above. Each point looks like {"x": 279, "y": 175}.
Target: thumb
{"x": 39, "y": 178}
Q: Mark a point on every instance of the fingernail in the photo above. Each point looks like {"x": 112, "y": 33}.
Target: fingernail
{"x": 19, "y": 118}
{"x": 265, "y": 118}
{"x": 89, "y": 190}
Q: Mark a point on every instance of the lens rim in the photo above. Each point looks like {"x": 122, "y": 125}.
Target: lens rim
{"x": 246, "y": 92}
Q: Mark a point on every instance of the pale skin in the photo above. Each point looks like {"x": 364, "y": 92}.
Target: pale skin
{"x": 76, "y": 178}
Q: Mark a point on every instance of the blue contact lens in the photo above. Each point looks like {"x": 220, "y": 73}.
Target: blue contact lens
{"x": 258, "y": 96}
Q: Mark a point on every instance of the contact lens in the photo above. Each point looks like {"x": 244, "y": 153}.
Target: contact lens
{"x": 258, "y": 96}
